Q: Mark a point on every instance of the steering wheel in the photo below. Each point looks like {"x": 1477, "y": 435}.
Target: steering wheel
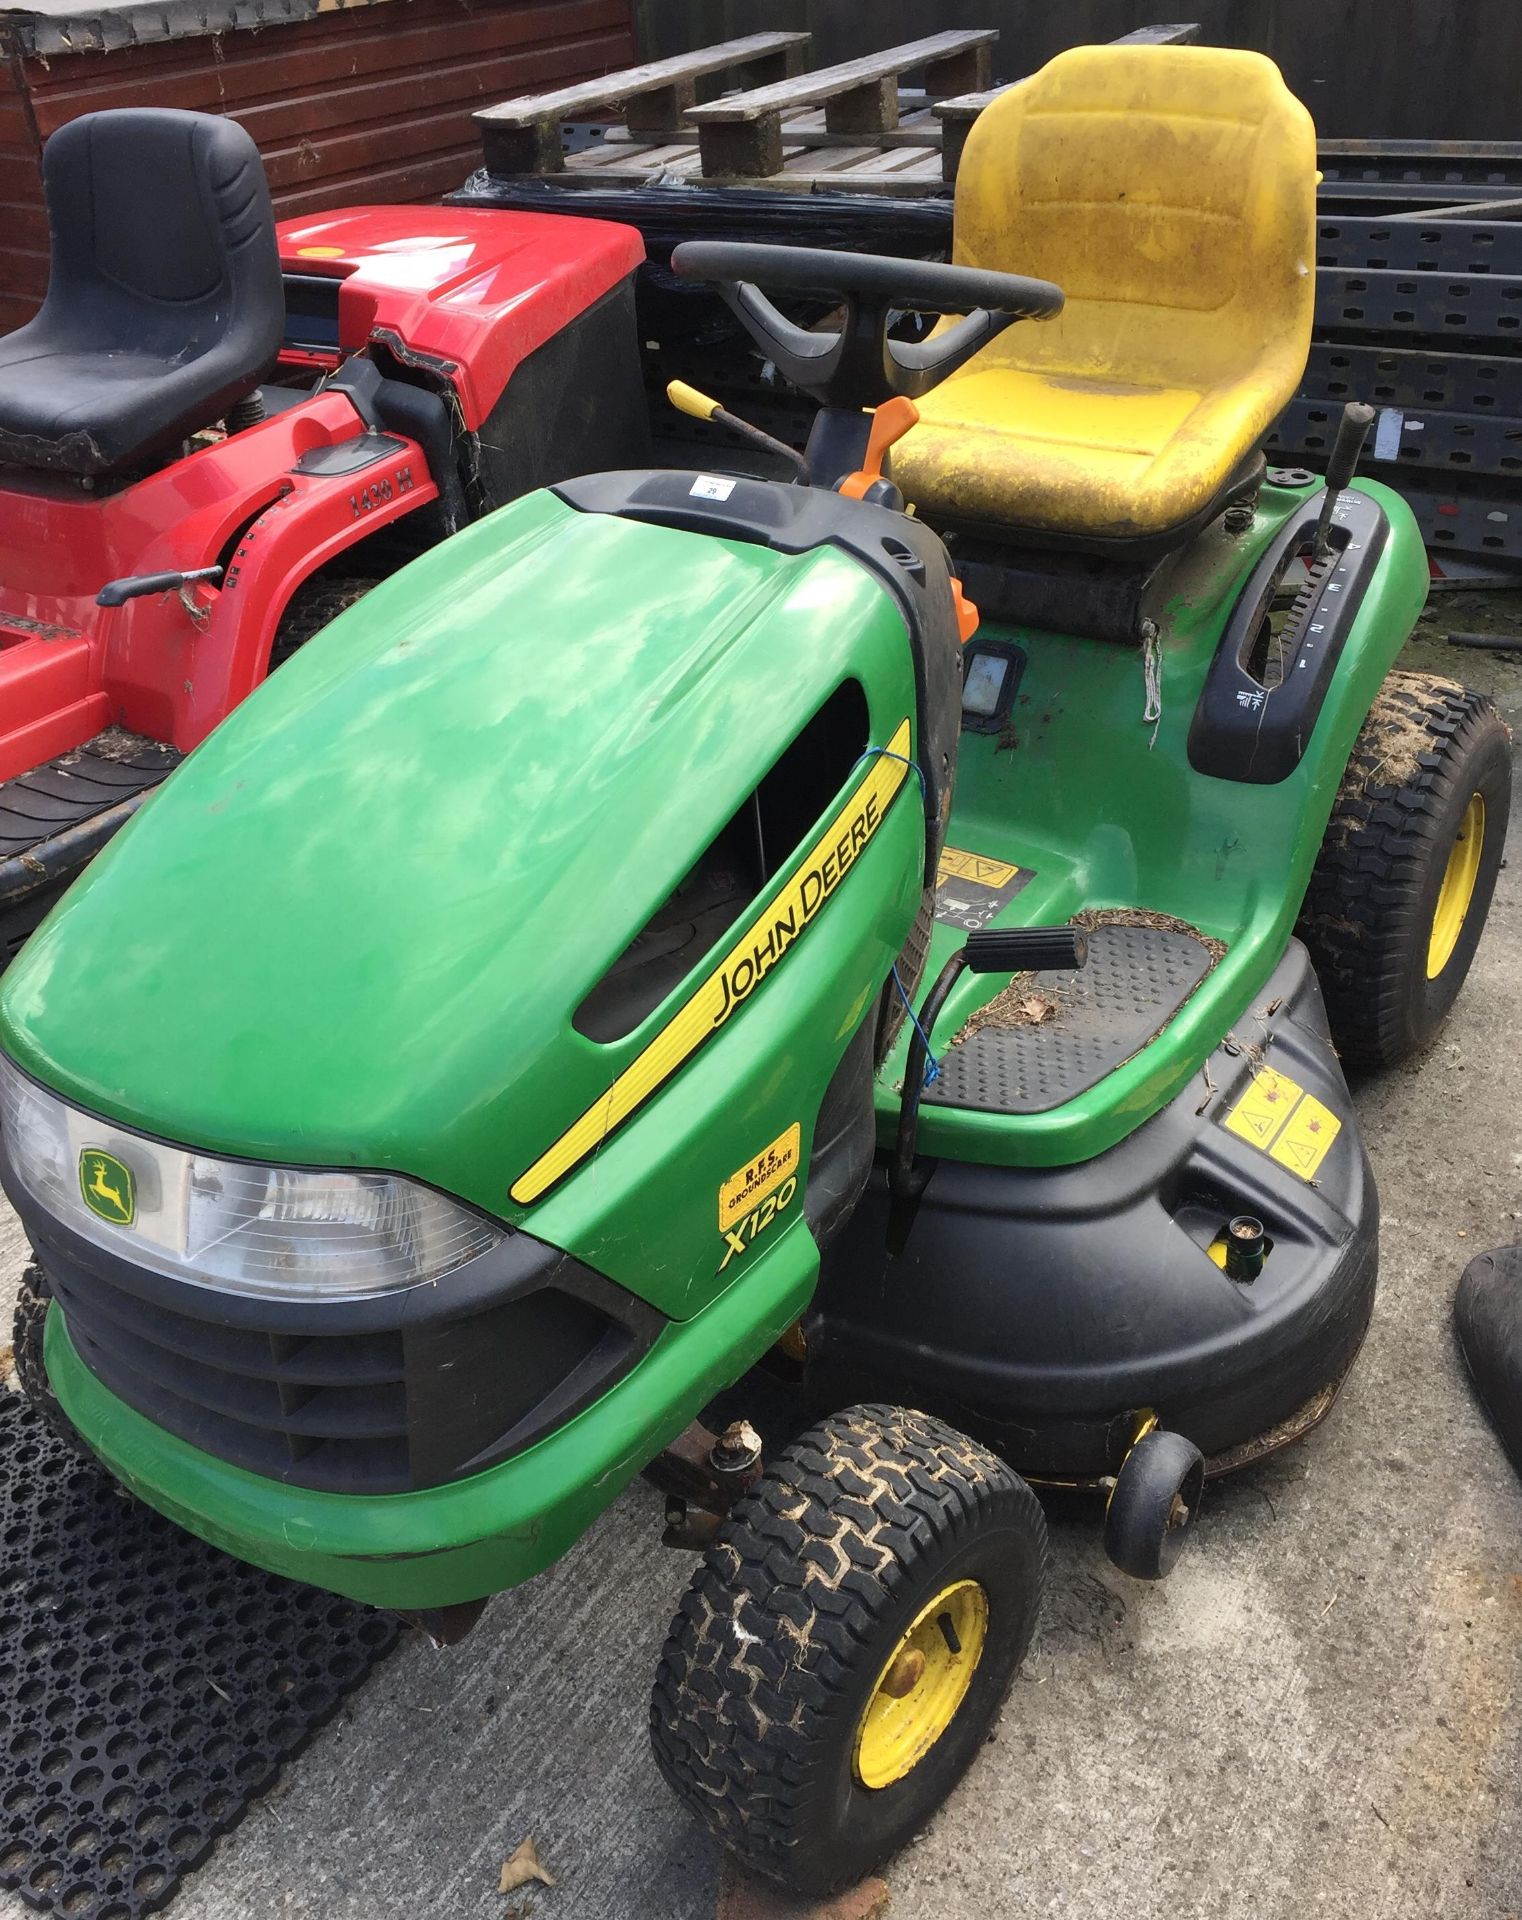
{"x": 860, "y": 366}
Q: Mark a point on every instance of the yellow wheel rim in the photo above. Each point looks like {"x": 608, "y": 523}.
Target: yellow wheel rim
{"x": 1457, "y": 889}
{"x": 923, "y": 1683}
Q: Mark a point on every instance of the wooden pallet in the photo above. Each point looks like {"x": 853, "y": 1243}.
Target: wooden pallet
{"x": 850, "y": 128}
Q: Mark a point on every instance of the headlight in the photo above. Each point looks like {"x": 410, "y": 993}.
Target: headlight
{"x": 279, "y": 1232}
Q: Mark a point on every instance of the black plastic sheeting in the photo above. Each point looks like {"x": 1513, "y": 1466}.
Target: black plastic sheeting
{"x": 150, "y": 1686}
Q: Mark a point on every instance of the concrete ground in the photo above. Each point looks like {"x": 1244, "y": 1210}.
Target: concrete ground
{"x": 1320, "y": 1713}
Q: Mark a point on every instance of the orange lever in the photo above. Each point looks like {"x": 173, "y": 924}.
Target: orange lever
{"x": 890, "y": 422}
{"x": 967, "y": 613}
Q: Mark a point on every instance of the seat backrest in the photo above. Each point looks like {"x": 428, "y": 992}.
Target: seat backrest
{"x": 1171, "y": 193}
{"x": 163, "y": 244}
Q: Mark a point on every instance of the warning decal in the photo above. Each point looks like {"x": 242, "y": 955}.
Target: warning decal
{"x": 970, "y": 888}
{"x": 1278, "y": 1117}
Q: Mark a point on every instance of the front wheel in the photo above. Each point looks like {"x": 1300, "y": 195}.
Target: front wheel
{"x": 1401, "y": 887}
{"x": 847, "y": 1643}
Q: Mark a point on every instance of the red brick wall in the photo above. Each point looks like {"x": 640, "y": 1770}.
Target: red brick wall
{"x": 368, "y": 104}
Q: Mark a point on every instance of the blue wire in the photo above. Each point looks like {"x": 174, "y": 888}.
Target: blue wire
{"x": 932, "y": 1065}
{"x": 884, "y": 753}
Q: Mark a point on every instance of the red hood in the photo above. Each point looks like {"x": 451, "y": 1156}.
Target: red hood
{"x": 470, "y": 291}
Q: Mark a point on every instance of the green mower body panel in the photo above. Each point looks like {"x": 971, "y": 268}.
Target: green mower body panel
{"x": 441, "y": 830}
{"x": 1101, "y": 809}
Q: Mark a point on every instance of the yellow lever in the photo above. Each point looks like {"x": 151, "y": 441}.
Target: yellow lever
{"x": 688, "y": 400}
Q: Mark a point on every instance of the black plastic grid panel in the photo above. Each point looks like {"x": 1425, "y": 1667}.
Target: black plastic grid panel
{"x": 1401, "y": 300}
{"x": 1389, "y": 376}
{"x": 1418, "y": 172}
{"x": 1466, "y": 516}
{"x": 1426, "y": 438}
{"x": 150, "y": 1686}
{"x": 1421, "y": 246}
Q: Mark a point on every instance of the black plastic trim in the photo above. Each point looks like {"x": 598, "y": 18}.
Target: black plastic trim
{"x": 996, "y": 721}
{"x": 1042, "y": 1308}
{"x": 1245, "y": 731}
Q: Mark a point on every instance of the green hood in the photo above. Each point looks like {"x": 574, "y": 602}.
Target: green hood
{"x": 352, "y": 928}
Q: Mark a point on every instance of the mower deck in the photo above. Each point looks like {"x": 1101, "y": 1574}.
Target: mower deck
{"x": 54, "y": 817}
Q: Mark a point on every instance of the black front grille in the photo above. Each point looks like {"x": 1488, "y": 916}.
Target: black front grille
{"x": 324, "y": 1410}
{"x": 361, "y": 1396}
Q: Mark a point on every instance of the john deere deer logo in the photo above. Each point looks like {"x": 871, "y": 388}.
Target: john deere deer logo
{"x": 108, "y": 1187}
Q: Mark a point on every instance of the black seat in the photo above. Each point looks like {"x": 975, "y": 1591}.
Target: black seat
{"x": 164, "y": 301}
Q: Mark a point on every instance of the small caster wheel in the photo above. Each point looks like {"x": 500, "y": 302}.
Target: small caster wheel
{"x": 846, "y": 1644}
{"x": 1153, "y": 1504}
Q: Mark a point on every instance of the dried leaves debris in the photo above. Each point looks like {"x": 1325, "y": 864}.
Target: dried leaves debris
{"x": 1025, "y": 1003}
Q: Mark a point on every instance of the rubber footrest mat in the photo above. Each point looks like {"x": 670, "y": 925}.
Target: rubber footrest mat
{"x": 1135, "y": 981}
{"x": 150, "y": 1686}
{"x": 113, "y": 767}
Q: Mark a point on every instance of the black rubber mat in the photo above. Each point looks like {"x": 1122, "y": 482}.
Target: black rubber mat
{"x": 150, "y": 1686}
{"x": 1135, "y": 981}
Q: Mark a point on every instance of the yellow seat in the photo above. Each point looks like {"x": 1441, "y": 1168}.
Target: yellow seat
{"x": 1171, "y": 193}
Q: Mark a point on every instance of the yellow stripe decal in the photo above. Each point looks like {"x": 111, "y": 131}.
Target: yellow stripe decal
{"x": 763, "y": 944}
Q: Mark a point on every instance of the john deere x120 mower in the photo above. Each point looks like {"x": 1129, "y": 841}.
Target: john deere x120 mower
{"x": 510, "y": 1025}
{"x": 219, "y": 431}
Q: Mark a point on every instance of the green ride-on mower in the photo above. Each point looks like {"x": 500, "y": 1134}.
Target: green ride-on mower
{"x": 509, "y": 1026}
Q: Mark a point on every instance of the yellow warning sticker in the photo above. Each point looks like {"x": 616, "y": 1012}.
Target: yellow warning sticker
{"x": 749, "y": 1185}
{"x": 956, "y": 864}
{"x": 1303, "y": 1144}
{"x": 1278, "y": 1117}
{"x": 971, "y": 888}
{"x": 1261, "y": 1112}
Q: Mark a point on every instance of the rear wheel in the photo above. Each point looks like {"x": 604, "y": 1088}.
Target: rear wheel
{"x": 847, "y": 1642}
{"x": 309, "y": 610}
{"x": 1402, "y": 885}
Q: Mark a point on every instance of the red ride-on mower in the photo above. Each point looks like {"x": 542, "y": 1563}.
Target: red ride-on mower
{"x": 217, "y": 433}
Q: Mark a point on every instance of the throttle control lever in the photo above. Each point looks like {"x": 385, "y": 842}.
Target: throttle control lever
{"x": 1352, "y": 431}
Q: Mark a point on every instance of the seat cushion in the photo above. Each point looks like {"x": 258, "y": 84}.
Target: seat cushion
{"x": 165, "y": 303}
{"x": 1170, "y": 192}
{"x": 83, "y": 412}
{"x": 1065, "y": 453}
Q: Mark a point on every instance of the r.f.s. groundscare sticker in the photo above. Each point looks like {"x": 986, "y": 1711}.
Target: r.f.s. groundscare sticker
{"x": 753, "y": 1195}
{"x": 747, "y": 1186}
{"x": 764, "y": 944}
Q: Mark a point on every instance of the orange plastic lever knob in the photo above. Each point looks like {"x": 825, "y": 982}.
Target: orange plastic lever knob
{"x": 890, "y": 422}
